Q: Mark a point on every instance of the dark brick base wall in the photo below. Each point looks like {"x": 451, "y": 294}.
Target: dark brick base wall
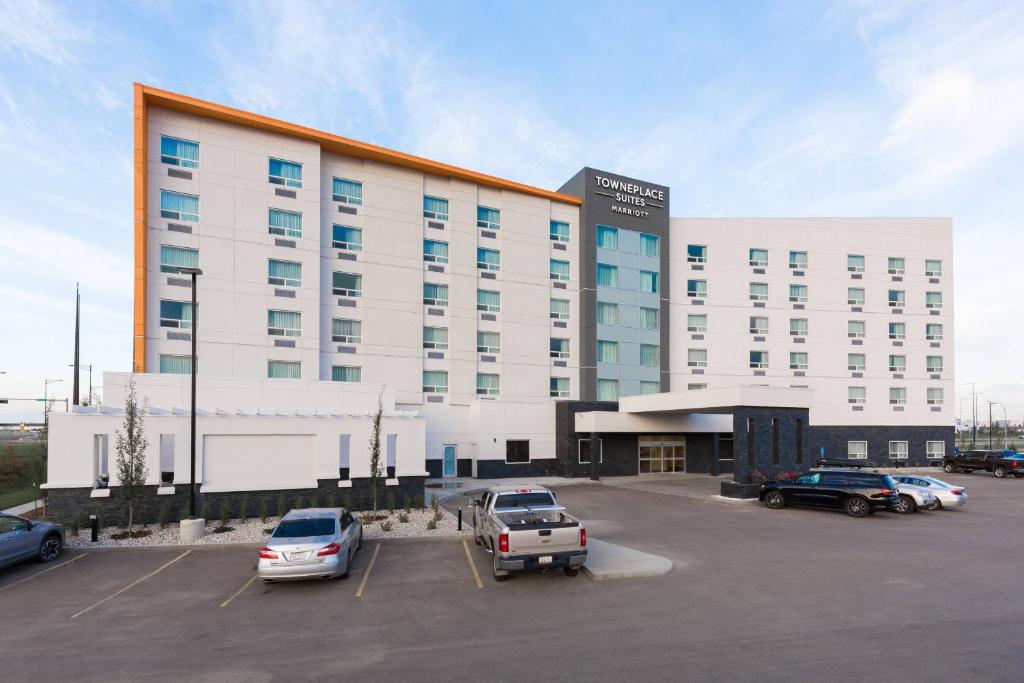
{"x": 499, "y": 469}
{"x": 834, "y": 438}
{"x": 463, "y": 468}
{"x": 700, "y": 452}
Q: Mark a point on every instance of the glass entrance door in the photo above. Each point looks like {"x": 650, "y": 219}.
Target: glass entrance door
{"x": 662, "y": 453}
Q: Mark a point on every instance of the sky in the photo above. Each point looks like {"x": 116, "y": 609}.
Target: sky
{"x": 849, "y": 108}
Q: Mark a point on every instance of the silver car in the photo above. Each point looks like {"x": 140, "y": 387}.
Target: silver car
{"x": 24, "y": 539}
{"x": 949, "y": 495}
{"x": 914, "y": 498}
{"x": 315, "y": 543}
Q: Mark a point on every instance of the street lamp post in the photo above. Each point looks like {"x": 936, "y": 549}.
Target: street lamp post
{"x": 46, "y": 395}
{"x": 192, "y": 425}
{"x": 1006, "y": 420}
{"x": 89, "y": 368}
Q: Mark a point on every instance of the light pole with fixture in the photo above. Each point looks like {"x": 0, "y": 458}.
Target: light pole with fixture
{"x": 194, "y": 272}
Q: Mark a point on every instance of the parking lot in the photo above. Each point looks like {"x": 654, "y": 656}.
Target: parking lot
{"x": 755, "y": 594}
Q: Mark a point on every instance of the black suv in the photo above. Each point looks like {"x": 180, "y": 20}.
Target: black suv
{"x": 857, "y": 492}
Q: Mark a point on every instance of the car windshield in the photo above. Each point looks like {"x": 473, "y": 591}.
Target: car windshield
{"x": 940, "y": 484}
{"x": 299, "y": 528}
{"x": 521, "y": 500}
{"x": 811, "y": 478}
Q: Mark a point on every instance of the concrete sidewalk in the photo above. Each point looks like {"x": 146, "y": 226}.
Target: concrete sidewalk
{"x": 446, "y": 489}
{"x": 610, "y": 561}
{"x": 24, "y": 508}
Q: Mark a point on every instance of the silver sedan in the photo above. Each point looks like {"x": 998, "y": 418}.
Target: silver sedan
{"x": 949, "y": 495}
{"x": 315, "y": 543}
{"x": 914, "y": 498}
{"x": 24, "y": 539}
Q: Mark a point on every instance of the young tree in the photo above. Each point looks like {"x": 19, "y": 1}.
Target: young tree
{"x": 130, "y": 444}
{"x": 375, "y": 471}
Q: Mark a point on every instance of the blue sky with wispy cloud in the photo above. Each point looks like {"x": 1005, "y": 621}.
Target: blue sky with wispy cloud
{"x": 744, "y": 108}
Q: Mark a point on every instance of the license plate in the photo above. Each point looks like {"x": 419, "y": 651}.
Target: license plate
{"x": 544, "y": 560}
{"x": 299, "y": 556}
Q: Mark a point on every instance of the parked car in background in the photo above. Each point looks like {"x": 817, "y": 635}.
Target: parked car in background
{"x": 914, "y": 498}
{"x": 25, "y": 539}
{"x": 948, "y": 495}
{"x": 1000, "y": 463}
{"x": 854, "y": 491}
{"x": 314, "y": 543}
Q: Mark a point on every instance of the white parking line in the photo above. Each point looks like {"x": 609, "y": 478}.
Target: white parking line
{"x": 133, "y": 583}
{"x": 239, "y": 591}
{"x": 362, "y": 584}
{"x": 469, "y": 558}
{"x": 48, "y": 569}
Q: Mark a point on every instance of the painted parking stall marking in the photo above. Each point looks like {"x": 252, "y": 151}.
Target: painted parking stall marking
{"x": 469, "y": 558}
{"x": 239, "y": 591}
{"x": 131, "y": 585}
{"x": 369, "y": 568}
{"x": 40, "y": 573}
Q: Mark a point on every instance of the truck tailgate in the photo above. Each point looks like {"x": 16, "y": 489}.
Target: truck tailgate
{"x": 544, "y": 541}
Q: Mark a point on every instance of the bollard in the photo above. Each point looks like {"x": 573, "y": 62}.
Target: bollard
{"x": 94, "y": 526}
{"x": 460, "y": 519}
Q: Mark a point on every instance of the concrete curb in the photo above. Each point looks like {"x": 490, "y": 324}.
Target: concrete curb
{"x": 732, "y": 501}
{"x": 606, "y": 561}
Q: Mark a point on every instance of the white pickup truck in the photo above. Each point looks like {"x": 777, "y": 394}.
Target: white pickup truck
{"x": 523, "y": 529}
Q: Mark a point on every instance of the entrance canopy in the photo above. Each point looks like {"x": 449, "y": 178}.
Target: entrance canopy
{"x": 723, "y": 400}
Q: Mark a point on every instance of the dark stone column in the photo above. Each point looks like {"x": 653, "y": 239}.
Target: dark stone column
{"x": 715, "y": 466}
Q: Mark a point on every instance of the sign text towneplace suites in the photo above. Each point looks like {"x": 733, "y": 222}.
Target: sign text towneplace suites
{"x": 632, "y": 194}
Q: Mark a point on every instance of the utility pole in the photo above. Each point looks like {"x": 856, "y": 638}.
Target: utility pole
{"x": 74, "y": 390}
{"x": 990, "y": 425}
{"x": 84, "y": 366}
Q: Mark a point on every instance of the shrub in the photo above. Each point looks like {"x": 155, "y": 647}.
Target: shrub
{"x": 243, "y": 509}
{"x": 385, "y": 526}
{"x": 433, "y": 502}
{"x": 406, "y": 504}
{"x": 332, "y": 499}
{"x": 164, "y": 514}
{"x": 431, "y": 525}
{"x": 264, "y": 510}
{"x": 75, "y": 525}
{"x": 403, "y": 517}
{"x": 282, "y": 506}
{"x": 438, "y": 515}
{"x": 298, "y": 505}
{"x": 183, "y": 512}
{"x": 346, "y": 501}
{"x": 391, "y": 503}
{"x": 314, "y": 500}
{"x": 204, "y": 511}
{"x": 225, "y": 513}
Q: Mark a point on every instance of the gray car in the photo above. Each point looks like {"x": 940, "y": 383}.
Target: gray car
{"x": 24, "y": 539}
{"x": 314, "y": 543}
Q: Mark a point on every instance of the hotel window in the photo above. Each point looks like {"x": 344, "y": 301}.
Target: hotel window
{"x": 346, "y": 331}
{"x": 284, "y": 323}
{"x": 897, "y": 266}
{"x": 435, "y": 382}
{"x": 347, "y": 284}
{"x": 759, "y": 360}
{"x": 488, "y": 259}
{"x": 696, "y": 253}
{"x": 933, "y": 268}
{"x": 517, "y": 451}
{"x": 346, "y": 373}
{"x": 280, "y": 369}
{"x": 287, "y": 223}
{"x": 856, "y": 361}
{"x": 177, "y": 152}
{"x": 175, "y": 365}
{"x": 435, "y": 252}
{"x": 759, "y": 258}
{"x": 435, "y": 295}
{"x": 697, "y": 358}
{"x": 935, "y": 450}
{"x": 172, "y": 258}
{"x": 648, "y": 282}
{"x": 487, "y": 385}
{"x": 559, "y": 270}
{"x": 856, "y": 329}
{"x": 435, "y": 338}
{"x": 798, "y": 293}
{"x": 179, "y": 207}
{"x": 607, "y": 390}
{"x": 857, "y": 450}
{"x": 649, "y": 356}
{"x": 933, "y": 364}
{"x": 758, "y": 325}
{"x": 607, "y": 276}
{"x": 559, "y": 387}
{"x": 897, "y": 297}
{"x": 798, "y": 327}
{"x": 897, "y": 330}
{"x": 759, "y": 291}
{"x": 933, "y": 299}
{"x": 488, "y": 301}
{"x": 897, "y": 395}
{"x": 647, "y": 388}
{"x": 559, "y": 348}
{"x": 284, "y": 273}
{"x": 488, "y": 342}
{"x": 347, "y": 191}
{"x": 797, "y": 360}
{"x": 648, "y": 244}
{"x": 696, "y": 387}
{"x": 559, "y": 309}
{"x": 176, "y": 314}
{"x": 855, "y": 296}
{"x": 287, "y": 173}
{"x": 897, "y": 363}
{"x": 559, "y": 231}
{"x": 697, "y": 323}
{"x": 933, "y": 332}
{"x": 649, "y": 318}
{"x": 607, "y": 351}
{"x": 697, "y": 289}
{"x": 898, "y": 450}
{"x": 435, "y": 207}
{"x": 488, "y": 218}
{"x": 935, "y": 396}
{"x": 857, "y": 395}
{"x": 798, "y": 259}
{"x": 344, "y": 237}
{"x": 607, "y": 314}
{"x": 607, "y": 237}
{"x": 855, "y": 263}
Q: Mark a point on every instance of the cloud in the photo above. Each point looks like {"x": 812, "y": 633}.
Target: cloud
{"x": 39, "y": 30}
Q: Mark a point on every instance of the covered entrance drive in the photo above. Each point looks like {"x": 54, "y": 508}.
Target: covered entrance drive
{"x": 662, "y": 453}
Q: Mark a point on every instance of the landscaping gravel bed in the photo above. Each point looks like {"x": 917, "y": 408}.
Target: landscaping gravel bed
{"x": 256, "y": 532}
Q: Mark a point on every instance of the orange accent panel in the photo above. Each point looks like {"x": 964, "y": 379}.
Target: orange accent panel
{"x": 141, "y": 161}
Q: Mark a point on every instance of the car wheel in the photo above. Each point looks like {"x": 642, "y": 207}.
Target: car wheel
{"x": 938, "y": 504}
{"x": 499, "y": 573}
{"x": 907, "y": 505}
{"x": 571, "y": 571}
{"x": 49, "y": 549}
{"x": 359, "y": 543}
{"x": 856, "y": 506}
{"x": 348, "y": 565}
{"x": 775, "y": 500}
{"x": 948, "y": 467}
{"x": 999, "y": 471}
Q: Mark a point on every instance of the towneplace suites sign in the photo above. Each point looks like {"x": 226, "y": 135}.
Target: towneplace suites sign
{"x": 630, "y": 199}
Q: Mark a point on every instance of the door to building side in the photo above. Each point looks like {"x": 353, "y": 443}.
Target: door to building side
{"x": 662, "y": 453}
{"x": 449, "y": 461}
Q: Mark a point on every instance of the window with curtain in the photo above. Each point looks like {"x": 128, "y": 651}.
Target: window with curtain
{"x": 607, "y": 237}
{"x": 435, "y": 295}
{"x": 488, "y": 342}
{"x": 758, "y": 324}
{"x": 488, "y": 384}
{"x": 287, "y": 173}
{"x": 284, "y": 273}
{"x": 759, "y": 257}
{"x": 649, "y": 318}
{"x": 559, "y": 270}
{"x": 935, "y": 450}
{"x": 648, "y": 244}
{"x": 559, "y": 348}
{"x": 898, "y": 450}
{"x": 759, "y": 359}
{"x": 856, "y": 329}
{"x": 935, "y": 397}
{"x": 435, "y": 251}
{"x": 175, "y": 365}
{"x": 287, "y": 223}
{"x": 897, "y": 395}
{"x": 798, "y": 360}
{"x": 559, "y": 231}
{"x": 798, "y": 293}
{"x": 897, "y": 330}
{"x": 280, "y": 369}
{"x": 933, "y": 268}
{"x": 759, "y": 291}
{"x": 798, "y": 259}
{"x": 648, "y": 282}
{"x": 607, "y": 351}
{"x": 178, "y": 206}
{"x": 346, "y": 331}
{"x": 934, "y": 363}
{"x": 347, "y": 284}
{"x": 697, "y": 288}
{"x": 897, "y": 266}
{"x": 346, "y": 237}
{"x": 607, "y": 313}
{"x": 488, "y": 301}
{"x": 346, "y": 373}
{"x": 488, "y": 218}
{"x": 855, "y": 296}
{"x": 435, "y": 207}
{"x": 488, "y": 259}
{"x": 607, "y": 276}
{"x": 284, "y": 323}
{"x": 347, "y": 191}
{"x": 697, "y": 358}
{"x": 435, "y": 338}
{"x": 933, "y": 299}
{"x": 649, "y": 356}
{"x": 697, "y": 323}
{"x": 856, "y": 394}
{"x": 897, "y": 363}
{"x": 607, "y": 390}
{"x": 177, "y": 314}
{"x": 172, "y": 258}
{"x": 560, "y": 309}
{"x": 798, "y": 327}
{"x": 435, "y": 382}
{"x": 897, "y": 297}
{"x": 933, "y": 332}
{"x": 857, "y": 450}
{"x": 856, "y": 361}
{"x": 178, "y": 152}
{"x": 696, "y": 253}
{"x": 559, "y": 387}
{"x": 855, "y": 263}
{"x": 647, "y": 388}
